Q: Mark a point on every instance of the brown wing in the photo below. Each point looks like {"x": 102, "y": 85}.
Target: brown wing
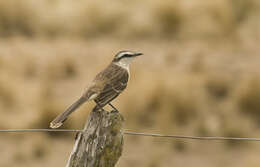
{"x": 115, "y": 82}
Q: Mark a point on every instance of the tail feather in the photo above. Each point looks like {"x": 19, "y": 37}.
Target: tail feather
{"x": 58, "y": 121}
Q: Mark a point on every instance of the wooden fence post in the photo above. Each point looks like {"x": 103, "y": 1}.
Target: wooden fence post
{"x": 101, "y": 142}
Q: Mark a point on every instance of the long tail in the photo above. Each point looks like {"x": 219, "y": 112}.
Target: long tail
{"x": 58, "y": 121}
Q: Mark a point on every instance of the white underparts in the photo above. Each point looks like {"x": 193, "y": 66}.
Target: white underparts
{"x": 124, "y": 63}
{"x": 125, "y": 66}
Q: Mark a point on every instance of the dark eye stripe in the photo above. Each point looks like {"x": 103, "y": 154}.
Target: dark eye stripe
{"x": 125, "y": 55}
{"x": 122, "y": 54}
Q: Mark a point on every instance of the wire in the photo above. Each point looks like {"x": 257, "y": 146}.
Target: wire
{"x": 40, "y": 130}
{"x": 216, "y": 138}
{"x": 193, "y": 137}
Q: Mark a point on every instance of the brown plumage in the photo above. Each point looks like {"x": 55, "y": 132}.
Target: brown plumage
{"x": 115, "y": 79}
{"x": 105, "y": 87}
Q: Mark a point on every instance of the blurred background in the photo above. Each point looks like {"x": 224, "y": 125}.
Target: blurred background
{"x": 199, "y": 76}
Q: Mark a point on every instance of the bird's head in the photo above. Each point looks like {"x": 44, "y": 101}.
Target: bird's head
{"x": 124, "y": 58}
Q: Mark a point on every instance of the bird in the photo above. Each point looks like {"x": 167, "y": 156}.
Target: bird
{"x": 105, "y": 87}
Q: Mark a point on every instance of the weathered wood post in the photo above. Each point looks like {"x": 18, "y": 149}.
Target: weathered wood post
{"x": 101, "y": 142}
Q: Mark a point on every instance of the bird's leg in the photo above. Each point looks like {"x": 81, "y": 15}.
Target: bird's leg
{"x": 113, "y": 107}
{"x": 98, "y": 107}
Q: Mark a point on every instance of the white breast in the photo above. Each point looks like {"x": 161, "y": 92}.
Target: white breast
{"x": 123, "y": 65}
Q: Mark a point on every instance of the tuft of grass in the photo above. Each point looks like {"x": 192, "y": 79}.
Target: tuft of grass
{"x": 184, "y": 108}
{"x": 230, "y": 15}
{"x": 101, "y": 21}
{"x": 179, "y": 146}
{"x": 70, "y": 69}
{"x": 63, "y": 69}
{"x": 218, "y": 87}
{"x": 16, "y": 18}
{"x": 166, "y": 105}
{"x": 241, "y": 10}
{"x": 39, "y": 151}
{"x": 248, "y": 99}
{"x": 168, "y": 18}
{"x": 90, "y": 19}
{"x": 7, "y": 96}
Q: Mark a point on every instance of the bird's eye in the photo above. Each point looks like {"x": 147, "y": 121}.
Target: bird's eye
{"x": 122, "y": 56}
{"x": 126, "y": 55}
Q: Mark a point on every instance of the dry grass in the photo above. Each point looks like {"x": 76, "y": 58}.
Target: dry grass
{"x": 181, "y": 94}
{"x": 247, "y": 99}
{"x": 199, "y": 76}
{"x": 147, "y": 19}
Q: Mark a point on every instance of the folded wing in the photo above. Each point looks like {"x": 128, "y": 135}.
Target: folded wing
{"x": 114, "y": 86}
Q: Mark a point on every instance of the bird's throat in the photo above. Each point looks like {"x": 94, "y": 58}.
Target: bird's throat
{"x": 124, "y": 65}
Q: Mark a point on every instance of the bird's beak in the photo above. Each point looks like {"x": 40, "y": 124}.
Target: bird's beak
{"x": 138, "y": 54}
